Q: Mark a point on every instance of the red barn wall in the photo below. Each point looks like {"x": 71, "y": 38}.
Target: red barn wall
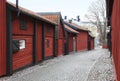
{"x": 39, "y": 41}
{"x": 116, "y": 37}
{"x": 24, "y": 56}
{"x": 70, "y": 39}
{"x": 49, "y": 36}
{"x": 2, "y": 37}
{"x": 92, "y": 43}
{"x": 82, "y": 41}
{"x": 60, "y": 46}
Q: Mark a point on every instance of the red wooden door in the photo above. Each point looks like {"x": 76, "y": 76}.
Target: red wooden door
{"x": 39, "y": 42}
{"x": 24, "y": 56}
{"x": 48, "y": 47}
{"x": 70, "y": 43}
{"x": 60, "y": 47}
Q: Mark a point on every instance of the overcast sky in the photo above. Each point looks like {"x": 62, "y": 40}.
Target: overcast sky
{"x": 70, "y": 8}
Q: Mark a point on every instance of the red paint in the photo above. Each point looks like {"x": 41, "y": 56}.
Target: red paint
{"x": 70, "y": 42}
{"x": 16, "y": 25}
{"x": 39, "y": 41}
{"x": 82, "y": 41}
{"x": 116, "y": 36}
{"x": 49, "y": 34}
{"x": 2, "y": 37}
{"x": 23, "y": 57}
{"x": 60, "y": 46}
{"x": 48, "y": 47}
{"x": 92, "y": 43}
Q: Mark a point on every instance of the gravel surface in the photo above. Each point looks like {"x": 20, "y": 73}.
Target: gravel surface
{"x": 102, "y": 70}
{"x": 82, "y": 66}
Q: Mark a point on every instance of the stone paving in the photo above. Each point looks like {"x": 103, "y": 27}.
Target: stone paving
{"x": 73, "y": 67}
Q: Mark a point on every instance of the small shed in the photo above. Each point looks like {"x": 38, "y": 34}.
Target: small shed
{"x": 70, "y": 39}
{"x": 59, "y": 31}
{"x": 82, "y": 37}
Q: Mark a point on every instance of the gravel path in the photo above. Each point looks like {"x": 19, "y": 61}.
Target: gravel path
{"x": 74, "y": 67}
{"x": 103, "y": 69}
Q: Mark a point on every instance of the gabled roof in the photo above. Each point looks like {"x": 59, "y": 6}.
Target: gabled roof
{"x": 76, "y": 26}
{"x": 29, "y": 12}
{"x": 54, "y": 16}
{"x": 69, "y": 29}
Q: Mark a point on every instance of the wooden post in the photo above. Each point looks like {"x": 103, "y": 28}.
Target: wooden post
{"x": 2, "y": 37}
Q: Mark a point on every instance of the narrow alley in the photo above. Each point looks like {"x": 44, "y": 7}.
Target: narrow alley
{"x": 92, "y": 65}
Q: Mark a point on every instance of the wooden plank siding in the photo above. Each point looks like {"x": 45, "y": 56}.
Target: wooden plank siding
{"x": 114, "y": 13}
{"x": 2, "y": 37}
{"x": 70, "y": 39}
{"x": 39, "y": 41}
{"x": 61, "y": 38}
{"x": 24, "y": 56}
{"x": 49, "y": 37}
{"x": 82, "y": 41}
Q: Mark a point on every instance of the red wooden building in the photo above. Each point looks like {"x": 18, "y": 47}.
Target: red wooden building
{"x": 2, "y": 37}
{"x": 90, "y": 42}
{"x": 113, "y": 13}
{"x": 23, "y": 38}
{"x": 82, "y": 37}
{"x": 70, "y": 39}
{"x": 59, "y": 31}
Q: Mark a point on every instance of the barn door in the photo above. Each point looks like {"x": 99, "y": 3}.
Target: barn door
{"x": 74, "y": 44}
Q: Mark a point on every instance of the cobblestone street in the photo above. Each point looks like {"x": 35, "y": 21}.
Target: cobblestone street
{"x": 92, "y": 65}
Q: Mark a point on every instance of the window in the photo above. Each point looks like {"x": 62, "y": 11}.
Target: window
{"x": 23, "y": 25}
{"x": 15, "y": 46}
{"x": 22, "y": 44}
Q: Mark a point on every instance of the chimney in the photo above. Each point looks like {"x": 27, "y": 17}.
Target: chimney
{"x": 65, "y": 17}
{"x": 70, "y": 21}
{"x": 17, "y": 4}
{"x": 2, "y": 37}
{"x": 78, "y": 18}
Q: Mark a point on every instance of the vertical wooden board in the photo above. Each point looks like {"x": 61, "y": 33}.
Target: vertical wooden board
{"x": 39, "y": 41}
{"x": 70, "y": 43}
{"x": 48, "y": 46}
{"x": 16, "y": 25}
{"x": 82, "y": 41}
{"x": 24, "y": 56}
{"x": 2, "y": 37}
{"x": 116, "y": 37}
{"x": 60, "y": 47}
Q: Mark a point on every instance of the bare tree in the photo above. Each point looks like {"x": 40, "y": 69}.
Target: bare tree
{"x": 97, "y": 16}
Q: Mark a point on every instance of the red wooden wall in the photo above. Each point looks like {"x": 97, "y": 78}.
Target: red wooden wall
{"x": 49, "y": 34}
{"x": 2, "y": 37}
{"x": 70, "y": 39}
{"x": 116, "y": 37}
{"x": 92, "y": 43}
{"x": 39, "y": 41}
{"x": 82, "y": 41}
{"x": 60, "y": 46}
{"x": 22, "y": 57}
